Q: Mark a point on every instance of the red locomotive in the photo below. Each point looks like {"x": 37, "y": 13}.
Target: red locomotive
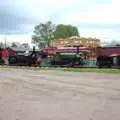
{"x": 108, "y": 56}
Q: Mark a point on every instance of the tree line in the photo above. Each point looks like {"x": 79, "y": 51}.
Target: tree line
{"x": 44, "y": 32}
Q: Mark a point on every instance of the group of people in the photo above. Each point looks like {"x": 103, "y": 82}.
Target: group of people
{"x": 4, "y": 55}
{"x": 37, "y": 57}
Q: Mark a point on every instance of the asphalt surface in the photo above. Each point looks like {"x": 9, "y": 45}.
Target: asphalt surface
{"x": 52, "y": 95}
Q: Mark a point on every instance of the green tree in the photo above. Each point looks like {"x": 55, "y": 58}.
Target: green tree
{"x": 65, "y": 31}
{"x": 43, "y": 33}
{"x": 2, "y": 45}
{"x": 115, "y": 43}
{"x": 14, "y": 44}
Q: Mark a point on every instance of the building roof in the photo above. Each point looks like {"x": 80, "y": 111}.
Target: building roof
{"x": 23, "y": 49}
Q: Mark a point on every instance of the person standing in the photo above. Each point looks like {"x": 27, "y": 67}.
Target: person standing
{"x": 4, "y": 55}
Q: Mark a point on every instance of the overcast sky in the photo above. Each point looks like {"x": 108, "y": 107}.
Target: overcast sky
{"x": 94, "y": 18}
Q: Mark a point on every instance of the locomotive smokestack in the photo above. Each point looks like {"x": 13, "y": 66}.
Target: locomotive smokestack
{"x": 33, "y": 48}
{"x": 78, "y": 49}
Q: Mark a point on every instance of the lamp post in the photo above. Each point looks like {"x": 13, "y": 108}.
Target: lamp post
{"x": 5, "y": 38}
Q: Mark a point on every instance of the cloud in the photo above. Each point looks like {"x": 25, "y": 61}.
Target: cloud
{"x": 95, "y": 18}
{"x": 16, "y": 16}
{"x": 100, "y": 20}
{"x": 10, "y": 24}
{"x": 102, "y": 34}
{"x": 19, "y": 17}
{"x": 58, "y": 3}
{"x": 96, "y": 33}
{"x": 98, "y": 25}
{"x": 105, "y": 13}
{"x": 16, "y": 38}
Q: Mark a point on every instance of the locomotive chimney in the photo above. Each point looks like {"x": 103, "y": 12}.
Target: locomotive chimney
{"x": 33, "y": 48}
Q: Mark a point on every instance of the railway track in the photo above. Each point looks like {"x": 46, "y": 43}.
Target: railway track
{"x": 28, "y": 67}
{"x": 21, "y": 67}
{"x": 32, "y": 67}
{"x": 43, "y": 67}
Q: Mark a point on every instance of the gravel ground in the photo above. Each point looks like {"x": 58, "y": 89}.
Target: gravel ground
{"x": 54, "y": 95}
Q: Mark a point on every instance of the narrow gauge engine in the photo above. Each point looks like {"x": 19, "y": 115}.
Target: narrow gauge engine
{"x": 67, "y": 56}
{"x": 23, "y": 57}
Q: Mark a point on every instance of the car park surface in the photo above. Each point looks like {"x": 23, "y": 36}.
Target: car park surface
{"x": 58, "y": 95}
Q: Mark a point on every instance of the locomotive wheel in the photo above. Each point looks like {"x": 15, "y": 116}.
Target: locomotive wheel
{"x": 13, "y": 60}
